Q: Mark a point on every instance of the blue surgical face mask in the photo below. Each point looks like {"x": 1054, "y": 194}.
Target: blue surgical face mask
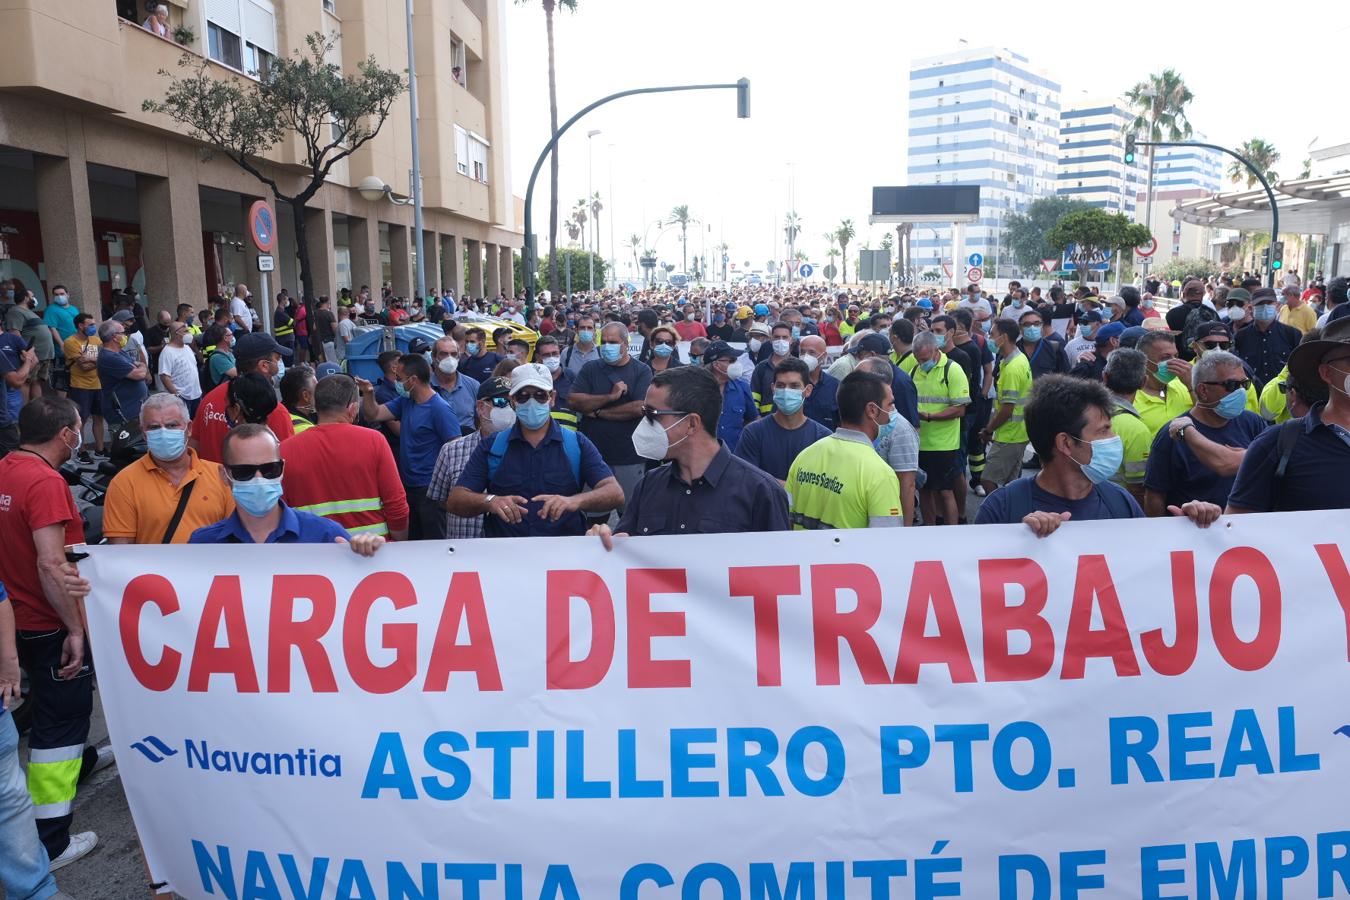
{"x": 471, "y": 348}
{"x": 1032, "y": 333}
{"x": 928, "y": 366}
{"x": 789, "y": 400}
{"x": 62, "y": 300}
{"x": 91, "y": 330}
{"x": 401, "y": 388}
{"x": 941, "y": 340}
{"x": 663, "y": 350}
{"x": 987, "y": 326}
{"x": 796, "y": 332}
{"x": 586, "y": 336}
{"x": 166, "y": 444}
{"x": 532, "y": 414}
{"x": 884, "y": 431}
{"x": 258, "y": 496}
{"x": 696, "y": 360}
{"x": 611, "y": 353}
{"x": 1231, "y": 407}
{"x": 1107, "y": 455}
{"x": 1266, "y": 312}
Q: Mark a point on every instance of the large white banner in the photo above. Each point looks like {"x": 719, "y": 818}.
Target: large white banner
{"x": 1125, "y": 709}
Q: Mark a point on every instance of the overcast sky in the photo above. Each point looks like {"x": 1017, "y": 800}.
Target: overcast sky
{"x": 829, "y": 98}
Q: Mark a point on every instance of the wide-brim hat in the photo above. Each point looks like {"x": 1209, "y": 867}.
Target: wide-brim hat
{"x": 1305, "y": 359}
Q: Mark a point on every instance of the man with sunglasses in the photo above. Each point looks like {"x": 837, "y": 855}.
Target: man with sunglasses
{"x": 1197, "y": 456}
{"x": 531, "y": 481}
{"x": 252, "y": 471}
{"x": 493, "y": 414}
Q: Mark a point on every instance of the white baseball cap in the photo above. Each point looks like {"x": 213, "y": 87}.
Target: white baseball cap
{"x": 531, "y": 375}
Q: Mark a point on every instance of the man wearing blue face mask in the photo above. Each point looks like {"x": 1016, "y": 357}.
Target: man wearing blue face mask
{"x": 252, "y": 472}
{"x": 1044, "y": 352}
{"x": 608, "y": 395}
{"x": 1197, "y": 456}
{"x": 530, "y": 480}
{"x": 773, "y": 442}
{"x": 170, "y": 492}
{"x": 1265, "y": 344}
{"x": 1068, "y": 421}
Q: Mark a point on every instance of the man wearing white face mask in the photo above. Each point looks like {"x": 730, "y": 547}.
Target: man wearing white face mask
{"x": 822, "y": 404}
{"x": 703, "y": 488}
{"x": 727, "y": 365}
{"x": 252, "y": 470}
{"x": 453, "y": 386}
{"x": 761, "y": 381}
{"x": 493, "y": 413}
{"x": 178, "y": 373}
{"x": 170, "y": 492}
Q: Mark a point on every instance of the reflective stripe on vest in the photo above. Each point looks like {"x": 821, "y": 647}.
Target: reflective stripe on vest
{"x": 338, "y": 507}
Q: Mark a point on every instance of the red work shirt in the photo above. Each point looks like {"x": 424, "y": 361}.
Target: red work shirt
{"x": 33, "y": 495}
{"x": 689, "y": 329}
{"x": 348, "y": 474}
{"x": 830, "y": 332}
{"x": 210, "y": 426}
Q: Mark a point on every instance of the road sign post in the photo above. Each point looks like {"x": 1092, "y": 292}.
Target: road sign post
{"x": 262, "y": 229}
{"x": 805, "y": 270}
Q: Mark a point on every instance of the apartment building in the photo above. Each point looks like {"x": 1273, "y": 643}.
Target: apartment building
{"x": 1092, "y": 164}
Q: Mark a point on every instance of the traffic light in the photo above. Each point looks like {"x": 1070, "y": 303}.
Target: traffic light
{"x": 1129, "y": 149}
{"x": 1277, "y": 257}
{"x": 1265, "y": 257}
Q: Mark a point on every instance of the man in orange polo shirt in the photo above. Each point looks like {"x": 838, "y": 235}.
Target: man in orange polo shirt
{"x": 142, "y": 506}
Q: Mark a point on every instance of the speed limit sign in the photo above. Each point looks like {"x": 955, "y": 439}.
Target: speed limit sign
{"x": 975, "y": 274}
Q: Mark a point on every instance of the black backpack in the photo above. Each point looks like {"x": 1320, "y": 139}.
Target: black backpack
{"x": 1196, "y": 317}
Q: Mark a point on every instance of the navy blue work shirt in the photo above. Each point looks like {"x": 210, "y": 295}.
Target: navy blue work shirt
{"x": 732, "y": 496}
{"x": 528, "y": 471}
{"x": 770, "y": 447}
{"x": 822, "y": 406}
{"x": 1266, "y": 351}
{"x": 479, "y": 368}
{"x": 296, "y": 527}
{"x": 906, "y": 395}
{"x": 1176, "y": 472}
{"x": 1314, "y": 479}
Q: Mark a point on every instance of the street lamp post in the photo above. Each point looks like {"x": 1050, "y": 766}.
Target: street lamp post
{"x": 421, "y": 270}
{"x": 529, "y": 253}
{"x": 590, "y": 192}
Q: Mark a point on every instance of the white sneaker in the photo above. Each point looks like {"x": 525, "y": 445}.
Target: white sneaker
{"x": 979, "y": 490}
{"x": 79, "y": 846}
{"x": 105, "y": 759}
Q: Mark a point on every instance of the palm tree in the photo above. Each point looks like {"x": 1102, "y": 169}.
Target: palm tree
{"x": 792, "y": 226}
{"x": 549, "y": 7}
{"x": 596, "y": 206}
{"x": 633, "y": 243}
{"x": 843, "y": 235}
{"x": 722, "y": 249}
{"x": 1260, "y": 154}
{"x": 1159, "y": 105}
{"x": 833, "y": 254}
{"x": 579, "y": 216}
{"x": 680, "y": 216}
{"x": 888, "y": 244}
{"x": 1307, "y": 169}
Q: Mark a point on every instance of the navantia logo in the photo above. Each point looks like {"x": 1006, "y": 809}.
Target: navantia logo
{"x": 153, "y": 749}
{"x": 5, "y": 502}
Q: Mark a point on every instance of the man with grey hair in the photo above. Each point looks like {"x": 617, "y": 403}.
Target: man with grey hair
{"x": 1124, "y": 376}
{"x": 170, "y": 491}
{"x": 123, "y": 378}
{"x": 608, "y": 394}
{"x": 1197, "y": 455}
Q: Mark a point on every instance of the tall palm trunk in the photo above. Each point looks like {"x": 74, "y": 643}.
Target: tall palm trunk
{"x": 553, "y": 159}
{"x": 684, "y": 247}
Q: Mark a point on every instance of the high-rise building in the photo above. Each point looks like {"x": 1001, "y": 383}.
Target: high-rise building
{"x": 981, "y": 116}
{"x": 1182, "y": 173}
{"x": 1092, "y": 164}
{"x": 97, "y": 194}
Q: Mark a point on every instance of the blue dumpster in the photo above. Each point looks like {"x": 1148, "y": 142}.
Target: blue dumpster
{"x": 363, "y": 352}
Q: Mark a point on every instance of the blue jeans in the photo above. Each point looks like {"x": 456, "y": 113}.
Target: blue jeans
{"x": 23, "y": 861}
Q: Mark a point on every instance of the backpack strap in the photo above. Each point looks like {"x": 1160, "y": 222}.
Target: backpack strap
{"x": 496, "y": 452}
{"x": 1284, "y": 445}
{"x": 1114, "y": 498}
{"x": 1019, "y": 498}
{"x": 571, "y": 449}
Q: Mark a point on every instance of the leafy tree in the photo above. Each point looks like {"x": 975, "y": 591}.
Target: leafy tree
{"x": 680, "y": 216}
{"x": 300, "y": 96}
{"x": 1306, "y": 171}
{"x": 1088, "y": 233}
{"x": 1181, "y": 269}
{"x": 550, "y": 6}
{"x": 1024, "y": 233}
{"x": 843, "y": 234}
{"x": 1259, "y": 153}
{"x": 578, "y": 262}
{"x": 792, "y": 226}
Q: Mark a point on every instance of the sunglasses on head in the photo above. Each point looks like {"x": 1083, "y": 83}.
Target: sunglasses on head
{"x": 247, "y": 471}
{"x": 1231, "y": 384}
{"x": 525, "y": 396}
{"x": 651, "y": 415}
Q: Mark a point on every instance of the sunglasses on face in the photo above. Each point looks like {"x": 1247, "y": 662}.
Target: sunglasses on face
{"x": 1220, "y": 346}
{"x": 526, "y": 396}
{"x": 651, "y": 415}
{"x": 1230, "y": 384}
{"x": 665, "y": 343}
{"x": 247, "y": 471}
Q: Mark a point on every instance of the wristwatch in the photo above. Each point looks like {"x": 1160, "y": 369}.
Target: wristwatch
{"x": 1181, "y": 432}
{"x": 487, "y": 500}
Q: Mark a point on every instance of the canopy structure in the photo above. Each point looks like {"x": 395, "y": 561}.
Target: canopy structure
{"x": 1308, "y": 206}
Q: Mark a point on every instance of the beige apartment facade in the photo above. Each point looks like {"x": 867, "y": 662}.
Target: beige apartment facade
{"x": 98, "y": 195}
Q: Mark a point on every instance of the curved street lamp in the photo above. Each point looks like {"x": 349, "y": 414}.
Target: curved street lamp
{"x": 373, "y": 188}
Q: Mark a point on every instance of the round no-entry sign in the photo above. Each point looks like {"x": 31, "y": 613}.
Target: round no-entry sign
{"x": 262, "y": 226}
{"x": 975, "y": 274}
{"x": 1148, "y": 249}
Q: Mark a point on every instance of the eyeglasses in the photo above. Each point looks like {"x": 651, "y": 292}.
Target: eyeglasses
{"x": 499, "y": 402}
{"x": 1223, "y": 346}
{"x": 665, "y": 343}
{"x": 247, "y": 471}
{"x": 651, "y": 415}
{"x": 525, "y": 396}
{"x": 1231, "y": 384}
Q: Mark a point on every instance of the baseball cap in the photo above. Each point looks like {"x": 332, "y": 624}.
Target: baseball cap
{"x": 492, "y": 388}
{"x": 531, "y": 375}
{"x": 719, "y": 350}
{"x": 1130, "y": 336}
{"x": 1117, "y": 300}
{"x": 1238, "y": 294}
{"x": 256, "y": 345}
{"x": 1263, "y": 295}
{"x": 122, "y": 315}
{"x": 1106, "y": 332}
{"x": 327, "y": 368}
{"x": 872, "y": 343}
{"x": 1089, "y": 317}
{"x": 1209, "y": 329}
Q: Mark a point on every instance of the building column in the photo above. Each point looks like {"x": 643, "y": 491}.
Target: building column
{"x": 475, "y": 286}
{"x": 452, "y": 265}
{"x": 430, "y": 257}
{"x": 364, "y": 237}
{"x": 508, "y": 267}
{"x": 400, "y": 260}
{"x": 66, "y": 223}
{"x": 494, "y": 271}
{"x": 322, "y": 255}
{"x": 171, "y": 234}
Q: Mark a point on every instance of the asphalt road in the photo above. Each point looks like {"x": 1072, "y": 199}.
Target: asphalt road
{"x": 115, "y": 869}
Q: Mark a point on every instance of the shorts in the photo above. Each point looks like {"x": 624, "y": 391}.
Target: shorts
{"x": 939, "y": 469}
{"x": 87, "y": 401}
{"x": 304, "y": 341}
{"x": 41, "y": 372}
{"x": 1003, "y": 462}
